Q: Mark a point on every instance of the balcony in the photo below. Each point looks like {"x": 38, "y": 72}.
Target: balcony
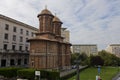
{"x": 14, "y": 51}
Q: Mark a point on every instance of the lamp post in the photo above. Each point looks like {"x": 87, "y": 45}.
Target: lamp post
{"x": 118, "y": 64}
{"x": 77, "y": 69}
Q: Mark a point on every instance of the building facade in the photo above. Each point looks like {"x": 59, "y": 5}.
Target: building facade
{"x": 88, "y": 49}
{"x": 65, "y": 34}
{"x": 14, "y": 48}
{"x": 48, "y": 50}
{"x": 114, "y": 49}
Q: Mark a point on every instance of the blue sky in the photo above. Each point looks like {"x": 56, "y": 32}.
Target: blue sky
{"x": 89, "y": 21}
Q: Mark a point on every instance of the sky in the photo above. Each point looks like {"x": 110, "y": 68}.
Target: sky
{"x": 89, "y": 21}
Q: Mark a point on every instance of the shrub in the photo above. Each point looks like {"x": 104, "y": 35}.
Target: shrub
{"x": 30, "y": 74}
{"x": 26, "y": 73}
{"x": 9, "y": 72}
{"x": 53, "y": 75}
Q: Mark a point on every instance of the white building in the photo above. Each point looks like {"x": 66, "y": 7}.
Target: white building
{"x": 114, "y": 49}
{"x": 13, "y": 42}
{"x": 65, "y": 34}
{"x": 85, "y": 48}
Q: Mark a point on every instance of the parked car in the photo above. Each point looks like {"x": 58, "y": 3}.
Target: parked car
{"x": 74, "y": 66}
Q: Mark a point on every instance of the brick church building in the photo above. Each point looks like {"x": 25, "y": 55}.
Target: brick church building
{"x": 47, "y": 49}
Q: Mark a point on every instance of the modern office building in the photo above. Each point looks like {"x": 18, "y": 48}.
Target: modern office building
{"x": 14, "y": 48}
{"x": 48, "y": 50}
{"x": 114, "y": 49}
{"x": 85, "y": 48}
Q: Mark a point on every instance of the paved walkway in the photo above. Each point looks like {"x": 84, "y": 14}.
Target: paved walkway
{"x": 117, "y": 77}
{"x": 66, "y": 72}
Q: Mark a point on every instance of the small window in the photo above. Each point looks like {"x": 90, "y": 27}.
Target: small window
{"x": 21, "y": 31}
{"x": 20, "y": 48}
{"x": 5, "y": 46}
{"x": 21, "y": 39}
{"x": 14, "y": 29}
{"x": 6, "y": 27}
{"x": 19, "y": 61}
{"x": 27, "y": 32}
{"x": 26, "y": 39}
{"x": 13, "y": 47}
{"x": 3, "y": 62}
{"x": 25, "y": 61}
{"x": 12, "y": 62}
{"x": 32, "y": 34}
{"x": 14, "y": 37}
{"x": 6, "y": 36}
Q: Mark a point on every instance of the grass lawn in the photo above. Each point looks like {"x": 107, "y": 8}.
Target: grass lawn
{"x": 107, "y": 73}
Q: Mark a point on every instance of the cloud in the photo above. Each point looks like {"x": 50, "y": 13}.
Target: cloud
{"x": 89, "y": 21}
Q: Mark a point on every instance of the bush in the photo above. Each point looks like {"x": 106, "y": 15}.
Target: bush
{"x": 9, "y": 72}
{"x": 53, "y": 75}
{"x": 30, "y": 74}
{"x": 96, "y": 60}
{"x": 26, "y": 73}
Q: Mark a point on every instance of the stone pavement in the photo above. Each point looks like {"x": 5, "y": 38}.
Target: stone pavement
{"x": 117, "y": 77}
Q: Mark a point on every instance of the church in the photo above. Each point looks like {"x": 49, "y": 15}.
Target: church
{"x": 47, "y": 49}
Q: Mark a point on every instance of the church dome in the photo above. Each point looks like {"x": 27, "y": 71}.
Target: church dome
{"x": 45, "y": 11}
{"x": 56, "y": 19}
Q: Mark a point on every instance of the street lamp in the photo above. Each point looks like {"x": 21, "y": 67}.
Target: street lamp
{"x": 118, "y": 64}
{"x": 77, "y": 68}
{"x": 32, "y": 62}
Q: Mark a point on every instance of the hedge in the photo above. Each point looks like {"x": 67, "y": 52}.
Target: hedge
{"x": 9, "y": 72}
{"x": 30, "y": 74}
{"x": 53, "y": 75}
{"x": 26, "y": 73}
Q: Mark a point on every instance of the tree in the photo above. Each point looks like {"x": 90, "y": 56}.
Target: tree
{"x": 84, "y": 59}
{"x": 96, "y": 60}
{"x": 77, "y": 56}
{"x": 109, "y": 58}
{"x": 73, "y": 58}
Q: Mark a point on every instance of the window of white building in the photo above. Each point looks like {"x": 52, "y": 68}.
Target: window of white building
{"x": 6, "y": 36}
{"x": 14, "y": 29}
{"x": 6, "y": 27}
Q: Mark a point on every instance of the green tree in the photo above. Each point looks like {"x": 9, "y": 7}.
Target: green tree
{"x": 96, "y": 60}
{"x": 84, "y": 59}
{"x": 74, "y": 57}
{"x": 77, "y": 56}
{"x": 109, "y": 58}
